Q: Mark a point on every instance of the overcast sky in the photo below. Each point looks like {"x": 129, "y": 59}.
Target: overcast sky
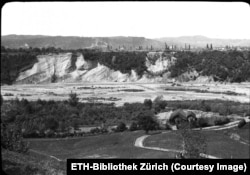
{"x": 147, "y": 19}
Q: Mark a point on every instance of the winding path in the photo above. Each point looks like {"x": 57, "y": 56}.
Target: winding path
{"x": 38, "y": 152}
{"x": 139, "y": 141}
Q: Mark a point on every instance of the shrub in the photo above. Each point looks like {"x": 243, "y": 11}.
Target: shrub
{"x": 103, "y": 130}
{"x": 95, "y": 130}
{"x": 167, "y": 126}
{"x": 202, "y": 122}
{"x": 8, "y": 94}
{"x": 121, "y": 127}
{"x": 242, "y": 123}
{"x": 53, "y": 78}
{"x": 158, "y": 98}
{"x": 73, "y": 99}
{"x": 159, "y": 103}
{"x": 148, "y": 103}
{"x": 1, "y": 100}
{"x": 146, "y": 121}
{"x": 50, "y": 134}
{"x": 221, "y": 121}
{"x": 133, "y": 126}
{"x": 11, "y": 139}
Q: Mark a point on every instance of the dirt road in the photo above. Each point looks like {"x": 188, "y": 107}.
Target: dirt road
{"x": 139, "y": 141}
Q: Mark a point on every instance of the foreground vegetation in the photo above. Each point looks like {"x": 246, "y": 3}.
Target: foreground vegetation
{"x": 45, "y": 118}
{"x": 219, "y": 106}
{"x": 14, "y": 163}
{"x": 62, "y": 118}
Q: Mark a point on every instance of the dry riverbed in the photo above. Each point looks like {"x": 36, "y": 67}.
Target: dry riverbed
{"x": 120, "y": 93}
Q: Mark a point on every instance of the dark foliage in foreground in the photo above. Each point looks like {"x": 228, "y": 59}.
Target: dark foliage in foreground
{"x": 11, "y": 137}
{"x": 147, "y": 122}
{"x": 14, "y": 163}
{"x": 44, "y": 118}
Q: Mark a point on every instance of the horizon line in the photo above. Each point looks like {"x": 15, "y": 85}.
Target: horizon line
{"x": 125, "y": 36}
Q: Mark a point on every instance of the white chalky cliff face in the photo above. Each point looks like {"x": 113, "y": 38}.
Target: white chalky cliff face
{"x": 157, "y": 62}
{"x": 65, "y": 69}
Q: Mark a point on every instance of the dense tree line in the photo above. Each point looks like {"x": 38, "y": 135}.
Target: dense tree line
{"x": 12, "y": 64}
{"x": 232, "y": 66}
{"x": 40, "y": 117}
{"x": 14, "y": 61}
{"x": 122, "y": 61}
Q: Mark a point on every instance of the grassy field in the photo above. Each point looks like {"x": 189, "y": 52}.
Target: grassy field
{"x": 17, "y": 163}
{"x": 219, "y": 143}
{"x": 116, "y": 145}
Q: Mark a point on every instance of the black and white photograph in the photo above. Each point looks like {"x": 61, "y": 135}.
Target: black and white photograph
{"x": 123, "y": 80}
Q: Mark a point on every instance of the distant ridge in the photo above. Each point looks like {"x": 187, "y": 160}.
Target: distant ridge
{"x": 201, "y": 41}
{"x": 76, "y": 42}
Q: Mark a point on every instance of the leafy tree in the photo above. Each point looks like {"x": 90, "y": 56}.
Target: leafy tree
{"x": 1, "y": 100}
{"x": 146, "y": 121}
{"x": 207, "y": 46}
{"x": 148, "y": 103}
{"x": 159, "y": 103}
{"x": 121, "y": 127}
{"x": 51, "y": 123}
{"x": 133, "y": 126}
{"x": 11, "y": 139}
{"x": 53, "y": 78}
{"x": 73, "y": 99}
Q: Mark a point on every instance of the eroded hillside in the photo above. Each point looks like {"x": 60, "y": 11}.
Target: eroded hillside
{"x": 49, "y": 65}
{"x": 68, "y": 67}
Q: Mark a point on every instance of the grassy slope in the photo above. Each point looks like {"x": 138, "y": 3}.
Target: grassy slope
{"x": 219, "y": 143}
{"x": 16, "y": 163}
{"x": 116, "y": 145}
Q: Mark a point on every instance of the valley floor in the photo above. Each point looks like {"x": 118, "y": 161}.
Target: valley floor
{"x": 120, "y": 93}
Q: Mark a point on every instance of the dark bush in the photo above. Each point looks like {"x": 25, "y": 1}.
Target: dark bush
{"x": 73, "y": 99}
{"x": 167, "y": 126}
{"x": 50, "y": 134}
{"x": 95, "y": 131}
{"x": 103, "y": 130}
{"x": 121, "y": 127}
{"x": 133, "y": 126}
{"x": 12, "y": 139}
{"x": 242, "y": 123}
{"x": 148, "y": 103}
{"x": 8, "y": 94}
{"x": 147, "y": 122}
{"x": 221, "y": 121}
{"x": 202, "y": 122}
